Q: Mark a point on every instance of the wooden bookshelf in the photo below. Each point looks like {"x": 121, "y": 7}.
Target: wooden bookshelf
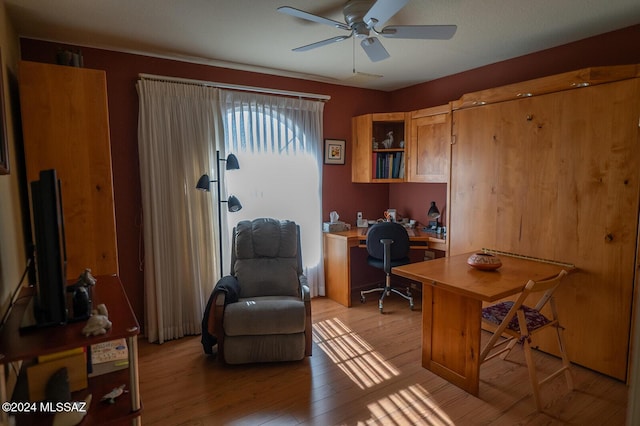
{"x": 373, "y": 161}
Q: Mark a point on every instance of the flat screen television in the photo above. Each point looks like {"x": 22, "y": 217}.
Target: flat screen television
{"x": 49, "y": 301}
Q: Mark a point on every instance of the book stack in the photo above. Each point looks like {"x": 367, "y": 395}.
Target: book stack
{"x": 108, "y": 356}
{"x": 389, "y": 165}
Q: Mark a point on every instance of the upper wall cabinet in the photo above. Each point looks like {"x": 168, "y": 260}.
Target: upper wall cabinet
{"x": 379, "y": 147}
{"x": 429, "y": 145}
{"x": 65, "y": 124}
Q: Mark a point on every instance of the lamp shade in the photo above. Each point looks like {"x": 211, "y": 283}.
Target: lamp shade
{"x": 232, "y": 162}
{"x": 233, "y": 204}
{"x": 433, "y": 212}
{"x": 204, "y": 183}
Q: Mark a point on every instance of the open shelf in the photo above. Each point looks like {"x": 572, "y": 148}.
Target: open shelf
{"x": 27, "y": 345}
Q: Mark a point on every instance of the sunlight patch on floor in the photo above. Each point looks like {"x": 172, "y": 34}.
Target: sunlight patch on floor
{"x": 409, "y": 406}
{"x": 353, "y": 355}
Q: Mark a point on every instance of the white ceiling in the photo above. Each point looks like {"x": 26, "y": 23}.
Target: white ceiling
{"x": 252, "y": 35}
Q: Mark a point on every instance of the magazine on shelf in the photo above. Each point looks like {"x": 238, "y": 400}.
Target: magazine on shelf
{"x": 108, "y": 356}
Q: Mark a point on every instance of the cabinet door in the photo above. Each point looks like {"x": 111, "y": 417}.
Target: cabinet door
{"x": 429, "y": 145}
{"x": 65, "y": 125}
{"x": 361, "y": 165}
{"x": 557, "y": 177}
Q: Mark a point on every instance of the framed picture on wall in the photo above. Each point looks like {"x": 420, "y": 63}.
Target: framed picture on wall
{"x": 4, "y": 143}
{"x": 334, "y": 151}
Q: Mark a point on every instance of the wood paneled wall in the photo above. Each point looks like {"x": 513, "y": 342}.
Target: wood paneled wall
{"x": 557, "y": 176}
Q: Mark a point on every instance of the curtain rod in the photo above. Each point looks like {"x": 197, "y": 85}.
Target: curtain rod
{"x": 235, "y": 87}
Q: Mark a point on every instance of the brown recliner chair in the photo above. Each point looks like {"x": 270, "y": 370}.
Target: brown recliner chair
{"x": 262, "y": 311}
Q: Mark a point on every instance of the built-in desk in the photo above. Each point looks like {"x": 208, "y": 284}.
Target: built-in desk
{"x": 337, "y": 257}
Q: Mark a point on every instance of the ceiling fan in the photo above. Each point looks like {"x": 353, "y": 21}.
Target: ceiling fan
{"x": 361, "y": 18}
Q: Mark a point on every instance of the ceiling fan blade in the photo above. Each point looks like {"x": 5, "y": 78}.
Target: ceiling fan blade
{"x": 424, "y": 32}
{"x": 320, "y": 43}
{"x": 311, "y": 17}
{"x": 374, "y": 49}
{"x": 382, "y": 10}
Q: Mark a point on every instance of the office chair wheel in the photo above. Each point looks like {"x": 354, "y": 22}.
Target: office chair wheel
{"x": 380, "y": 306}
{"x": 362, "y": 298}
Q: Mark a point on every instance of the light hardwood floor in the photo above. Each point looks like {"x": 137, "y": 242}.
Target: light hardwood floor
{"x": 365, "y": 370}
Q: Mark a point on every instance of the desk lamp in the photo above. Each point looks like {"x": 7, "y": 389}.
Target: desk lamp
{"x": 433, "y": 214}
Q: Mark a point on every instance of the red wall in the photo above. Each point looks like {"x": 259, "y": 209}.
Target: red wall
{"x": 413, "y": 200}
{"x": 339, "y": 193}
{"x": 614, "y": 48}
{"x": 122, "y": 70}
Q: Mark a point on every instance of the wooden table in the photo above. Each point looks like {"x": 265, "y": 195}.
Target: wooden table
{"x": 452, "y": 296}
{"x": 337, "y": 257}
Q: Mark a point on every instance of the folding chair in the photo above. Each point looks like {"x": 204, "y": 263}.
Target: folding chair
{"x": 518, "y": 323}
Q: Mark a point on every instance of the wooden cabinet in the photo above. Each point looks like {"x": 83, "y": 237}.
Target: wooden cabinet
{"x": 374, "y": 160}
{"x": 557, "y": 176}
{"x": 429, "y": 145}
{"x": 16, "y": 346}
{"x": 419, "y": 152}
{"x": 66, "y": 127}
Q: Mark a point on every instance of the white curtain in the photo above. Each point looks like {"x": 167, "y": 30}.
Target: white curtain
{"x": 278, "y": 142}
{"x": 177, "y": 132}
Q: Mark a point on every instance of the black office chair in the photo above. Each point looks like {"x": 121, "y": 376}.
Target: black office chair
{"x": 388, "y": 246}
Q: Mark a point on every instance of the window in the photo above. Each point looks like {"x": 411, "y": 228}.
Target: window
{"x": 278, "y": 144}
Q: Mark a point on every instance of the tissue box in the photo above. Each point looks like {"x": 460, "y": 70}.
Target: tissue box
{"x": 334, "y": 226}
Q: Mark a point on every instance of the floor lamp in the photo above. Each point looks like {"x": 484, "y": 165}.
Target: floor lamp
{"x": 233, "y": 204}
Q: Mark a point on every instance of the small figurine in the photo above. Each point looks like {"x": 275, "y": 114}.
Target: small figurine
{"x": 81, "y": 294}
{"x": 85, "y": 280}
{"x": 98, "y": 322}
{"x": 111, "y": 396}
{"x": 81, "y": 303}
{"x": 388, "y": 142}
